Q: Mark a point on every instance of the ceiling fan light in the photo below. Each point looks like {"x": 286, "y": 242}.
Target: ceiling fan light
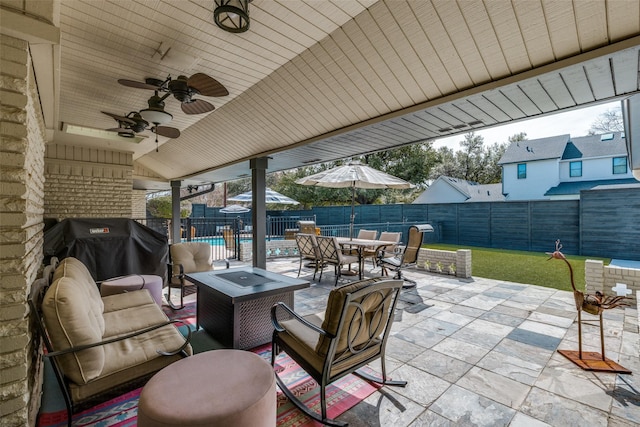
{"x": 156, "y": 116}
{"x": 232, "y": 15}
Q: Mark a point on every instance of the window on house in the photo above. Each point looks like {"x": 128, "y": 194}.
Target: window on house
{"x": 575, "y": 169}
{"x": 522, "y": 171}
{"x": 619, "y": 165}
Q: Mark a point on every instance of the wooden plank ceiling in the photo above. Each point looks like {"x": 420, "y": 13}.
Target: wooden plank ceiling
{"x": 318, "y": 80}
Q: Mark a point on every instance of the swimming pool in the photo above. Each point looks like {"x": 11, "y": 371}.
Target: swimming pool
{"x": 219, "y": 241}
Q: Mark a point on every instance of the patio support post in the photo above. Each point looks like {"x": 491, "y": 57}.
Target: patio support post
{"x": 259, "y": 211}
{"x": 175, "y": 212}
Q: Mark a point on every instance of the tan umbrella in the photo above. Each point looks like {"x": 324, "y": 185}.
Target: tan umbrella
{"x": 354, "y": 175}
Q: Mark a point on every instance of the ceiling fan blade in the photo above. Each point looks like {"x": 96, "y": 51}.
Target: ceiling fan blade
{"x": 169, "y": 132}
{"x": 207, "y": 86}
{"x": 197, "y": 106}
{"x": 120, "y": 118}
{"x": 136, "y": 84}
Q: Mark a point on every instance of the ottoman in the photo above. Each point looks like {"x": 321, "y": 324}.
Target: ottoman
{"x": 133, "y": 282}
{"x": 216, "y": 388}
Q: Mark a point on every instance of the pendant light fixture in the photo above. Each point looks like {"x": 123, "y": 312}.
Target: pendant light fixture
{"x": 232, "y": 15}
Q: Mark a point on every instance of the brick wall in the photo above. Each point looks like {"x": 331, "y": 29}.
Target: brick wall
{"x": 138, "y": 204}
{"x": 85, "y": 182}
{"x": 21, "y": 225}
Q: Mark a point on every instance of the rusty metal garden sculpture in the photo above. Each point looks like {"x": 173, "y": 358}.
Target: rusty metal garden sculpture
{"x": 595, "y": 305}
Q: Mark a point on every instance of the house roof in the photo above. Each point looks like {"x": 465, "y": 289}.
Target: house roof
{"x": 535, "y": 149}
{"x": 473, "y": 191}
{"x": 611, "y": 144}
{"x": 574, "y": 187}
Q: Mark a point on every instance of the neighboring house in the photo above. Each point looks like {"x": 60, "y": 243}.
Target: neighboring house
{"x": 452, "y": 190}
{"x": 559, "y": 167}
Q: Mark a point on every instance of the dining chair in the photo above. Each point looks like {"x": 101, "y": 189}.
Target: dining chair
{"x": 309, "y": 251}
{"x": 188, "y": 257}
{"x": 352, "y": 333}
{"x": 331, "y": 253}
{"x": 387, "y": 236}
{"x": 362, "y": 234}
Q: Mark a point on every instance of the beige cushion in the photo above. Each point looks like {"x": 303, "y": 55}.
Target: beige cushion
{"x": 194, "y": 256}
{"x": 335, "y": 304}
{"x": 72, "y": 321}
{"x": 72, "y": 267}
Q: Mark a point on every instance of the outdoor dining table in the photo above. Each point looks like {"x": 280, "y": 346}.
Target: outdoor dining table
{"x": 360, "y": 245}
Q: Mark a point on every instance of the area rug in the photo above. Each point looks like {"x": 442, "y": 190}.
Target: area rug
{"x": 122, "y": 411}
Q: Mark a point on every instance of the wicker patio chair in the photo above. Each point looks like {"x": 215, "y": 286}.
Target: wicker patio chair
{"x": 354, "y": 332}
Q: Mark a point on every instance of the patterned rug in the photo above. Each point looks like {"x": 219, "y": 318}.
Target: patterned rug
{"x": 122, "y": 411}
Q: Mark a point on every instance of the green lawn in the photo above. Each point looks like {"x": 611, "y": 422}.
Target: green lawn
{"x": 524, "y": 267}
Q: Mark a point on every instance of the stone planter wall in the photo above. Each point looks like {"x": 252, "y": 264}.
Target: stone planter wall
{"x": 599, "y": 277}
{"x": 456, "y": 263}
{"x": 274, "y": 248}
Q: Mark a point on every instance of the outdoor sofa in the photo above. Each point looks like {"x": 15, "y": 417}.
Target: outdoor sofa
{"x": 99, "y": 346}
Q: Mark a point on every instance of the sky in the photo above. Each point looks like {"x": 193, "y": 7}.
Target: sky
{"x": 575, "y": 123}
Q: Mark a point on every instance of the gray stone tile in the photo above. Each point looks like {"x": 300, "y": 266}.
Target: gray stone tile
{"x": 626, "y": 399}
{"x": 559, "y": 411}
{"x": 503, "y": 319}
{"x": 482, "y": 301}
{"x": 467, "y": 311}
{"x": 383, "y": 408}
{"x": 563, "y": 381}
{"x": 494, "y": 386}
{"x": 451, "y": 317}
{"x": 441, "y": 365}
{"x": 517, "y": 368}
{"x": 512, "y": 311}
{"x": 535, "y": 339}
{"x": 422, "y": 387}
{"x": 522, "y": 420}
{"x": 454, "y": 296}
{"x": 461, "y": 350}
{"x": 402, "y": 350}
{"x": 431, "y": 419}
{"x": 551, "y": 319}
{"x": 438, "y": 326}
{"x": 466, "y": 408}
{"x": 420, "y": 336}
{"x": 527, "y": 352}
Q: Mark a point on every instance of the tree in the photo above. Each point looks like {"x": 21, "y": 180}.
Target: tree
{"x": 609, "y": 121}
{"x": 160, "y": 207}
{"x": 474, "y": 162}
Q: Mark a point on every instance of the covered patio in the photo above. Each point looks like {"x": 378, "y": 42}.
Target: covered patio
{"x": 309, "y": 82}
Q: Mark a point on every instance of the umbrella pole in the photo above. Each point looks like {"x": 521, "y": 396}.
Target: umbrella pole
{"x": 353, "y": 214}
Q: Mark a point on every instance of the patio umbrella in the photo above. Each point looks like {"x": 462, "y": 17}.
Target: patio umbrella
{"x": 234, "y": 209}
{"x": 270, "y": 197}
{"x": 354, "y": 175}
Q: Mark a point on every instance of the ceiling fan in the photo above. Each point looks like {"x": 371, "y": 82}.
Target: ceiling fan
{"x": 183, "y": 89}
{"x": 133, "y": 123}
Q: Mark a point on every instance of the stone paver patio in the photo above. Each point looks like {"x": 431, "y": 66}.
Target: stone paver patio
{"x": 482, "y": 352}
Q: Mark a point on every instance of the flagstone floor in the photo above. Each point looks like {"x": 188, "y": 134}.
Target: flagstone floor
{"x": 480, "y": 352}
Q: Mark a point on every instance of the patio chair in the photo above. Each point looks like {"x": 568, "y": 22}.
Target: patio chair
{"x": 308, "y": 250}
{"x": 352, "y": 333}
{"x": 331, "y": 253}
{"x": 190, "y": 257}
{"x": 386, "y": 236}
{"x": 362, "y": 234}
{"x": 408, "y": 257}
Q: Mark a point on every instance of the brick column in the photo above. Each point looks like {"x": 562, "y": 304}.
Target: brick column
{"x": 21, "y": 208}
{"x": 463, "y": 263}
